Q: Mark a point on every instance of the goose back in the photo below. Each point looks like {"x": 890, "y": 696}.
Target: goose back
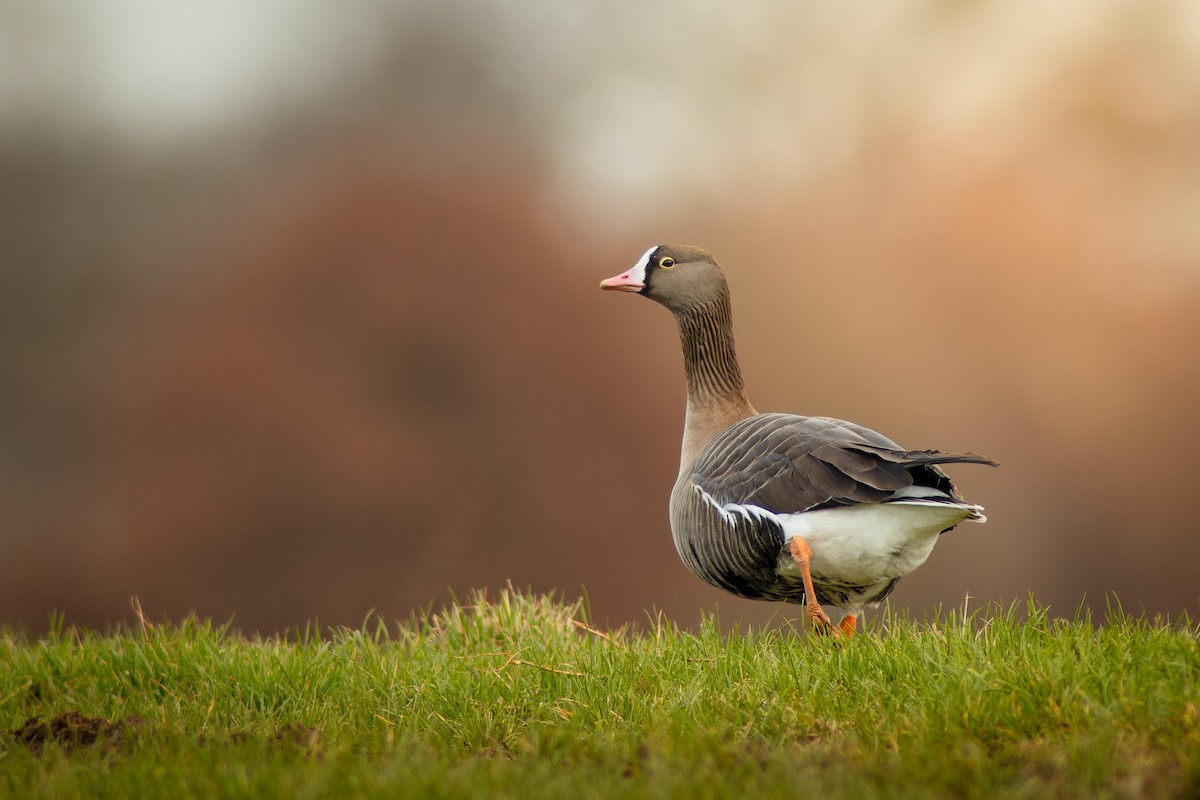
{"x": 728, "y": 505}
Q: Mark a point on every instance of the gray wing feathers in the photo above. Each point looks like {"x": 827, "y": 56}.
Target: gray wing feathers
{"x": 787, "y": 463}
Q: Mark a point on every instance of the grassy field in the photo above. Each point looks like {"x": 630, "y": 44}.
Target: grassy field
{"x": 516, "y": 696}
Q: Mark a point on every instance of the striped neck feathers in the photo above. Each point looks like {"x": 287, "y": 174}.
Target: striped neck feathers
{"x": 716, "y": 393}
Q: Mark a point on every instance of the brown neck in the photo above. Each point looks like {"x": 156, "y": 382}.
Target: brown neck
{"x": 716, "y": 394}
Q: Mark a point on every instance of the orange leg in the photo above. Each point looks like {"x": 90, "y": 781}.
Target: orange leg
{"x": 816, "y": 615}
{"x": 848, "y": 625}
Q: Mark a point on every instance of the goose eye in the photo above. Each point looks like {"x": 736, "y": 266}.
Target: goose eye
{"x": 667, "y": 263}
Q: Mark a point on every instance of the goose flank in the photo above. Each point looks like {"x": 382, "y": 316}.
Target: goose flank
{"x": 784, "y": 507}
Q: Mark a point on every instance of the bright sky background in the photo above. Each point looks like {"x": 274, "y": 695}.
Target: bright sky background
{"x": 626, "y": 98}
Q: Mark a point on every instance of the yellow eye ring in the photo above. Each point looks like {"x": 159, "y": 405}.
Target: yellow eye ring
{"x": 667, "y": 263}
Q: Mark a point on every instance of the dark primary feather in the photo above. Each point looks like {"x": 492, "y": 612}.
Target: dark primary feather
{"x": 787, "y": 463}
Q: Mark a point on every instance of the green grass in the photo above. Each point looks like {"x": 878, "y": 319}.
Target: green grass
{"x": 514, "y": 696}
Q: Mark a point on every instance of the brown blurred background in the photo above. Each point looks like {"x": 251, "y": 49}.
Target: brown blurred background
{"x": 299, "y": 313}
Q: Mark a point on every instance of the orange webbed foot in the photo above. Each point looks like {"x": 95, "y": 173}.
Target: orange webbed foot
{"x": 820, "y": 622}
{"x": 817, "y": 618}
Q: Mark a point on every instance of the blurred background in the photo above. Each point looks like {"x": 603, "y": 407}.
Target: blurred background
{"x": 299, "y": 313}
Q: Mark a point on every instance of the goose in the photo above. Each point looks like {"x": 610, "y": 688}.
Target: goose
{"x": 783, "y": 507}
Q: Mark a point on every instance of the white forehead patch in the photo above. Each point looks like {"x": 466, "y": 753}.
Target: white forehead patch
{"x": 638, "y": 271}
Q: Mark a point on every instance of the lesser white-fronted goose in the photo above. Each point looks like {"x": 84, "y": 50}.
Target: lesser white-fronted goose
{"x": 780, "y": 506}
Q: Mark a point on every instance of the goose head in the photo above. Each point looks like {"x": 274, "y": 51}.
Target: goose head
{"x": 680, "y": 277}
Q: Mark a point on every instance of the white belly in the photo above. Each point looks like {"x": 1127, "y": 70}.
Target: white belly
{"x": 866, "y": 544}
